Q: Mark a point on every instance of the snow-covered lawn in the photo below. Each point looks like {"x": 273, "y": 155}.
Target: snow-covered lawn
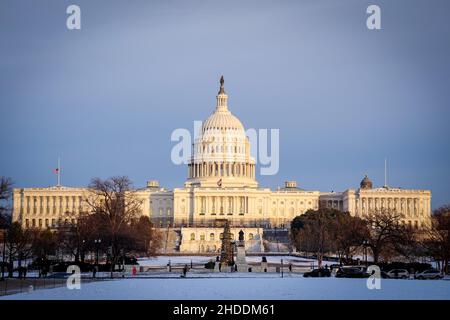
{"x": 242, "y": 287}
{"x": 162, "y": 261}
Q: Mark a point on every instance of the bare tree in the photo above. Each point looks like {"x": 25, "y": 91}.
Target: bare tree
{"x": 436, "y": 240}
{"x": 350, "y": 235}
{"x": 44, "y": 245}
{"x": 5, "y": 195}
{"x": 76, "y": 236}
{"x": 115, "y": 206}
{"x": 18, "y": 244}
{"x": 385, "y": 231}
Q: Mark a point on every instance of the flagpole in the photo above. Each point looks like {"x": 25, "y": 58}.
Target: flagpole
{"x": 385, "y": 172}
{"x": 59, "y": 172}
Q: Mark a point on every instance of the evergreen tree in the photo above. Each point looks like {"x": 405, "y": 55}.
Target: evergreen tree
{"x": 227, "y": 249}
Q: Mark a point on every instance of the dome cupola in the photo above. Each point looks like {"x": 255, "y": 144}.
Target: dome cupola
{"x": 366, "y": 183}
{"x": 222, "y": 118}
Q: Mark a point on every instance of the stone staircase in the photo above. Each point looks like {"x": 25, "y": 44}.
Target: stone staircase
{"x": 170, "y": 241}
{"x": 276, "y": 240}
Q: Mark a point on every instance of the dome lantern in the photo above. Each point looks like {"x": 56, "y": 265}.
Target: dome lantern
{"x": 222, "y": 97}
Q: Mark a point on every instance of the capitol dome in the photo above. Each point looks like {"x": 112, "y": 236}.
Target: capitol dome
{"x": 221, "y": 152}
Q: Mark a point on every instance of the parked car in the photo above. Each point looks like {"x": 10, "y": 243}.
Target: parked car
{"x": 429, "y": 274}
{"x": 335, "y": 266}
{"x": 351, "y": 272}
{"x": 316, "y": 273}
{"x": 398, "y": 274}
{"x": 361, "y": 268}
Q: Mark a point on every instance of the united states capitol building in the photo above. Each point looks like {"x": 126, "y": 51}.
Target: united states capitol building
{"x": 221, "y": 184}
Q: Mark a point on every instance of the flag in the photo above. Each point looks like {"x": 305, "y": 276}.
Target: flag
{"x": 219, "y": 183}
{"x": 56, "y": 171}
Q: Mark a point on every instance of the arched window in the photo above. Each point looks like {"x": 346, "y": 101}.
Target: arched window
{"x": 221, "y": 236}
{"x": 192, "y": 236}
{"x": 202, "y": 237}
{"x": 250, "y": 236}
{"x": 211, "y": 236}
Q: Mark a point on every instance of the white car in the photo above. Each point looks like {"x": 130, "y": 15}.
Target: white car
{"x": 429, "y": 274}
{"x": 398, "y": 274}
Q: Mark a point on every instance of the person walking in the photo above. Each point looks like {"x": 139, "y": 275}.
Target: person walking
{"x": 185, "y": 269}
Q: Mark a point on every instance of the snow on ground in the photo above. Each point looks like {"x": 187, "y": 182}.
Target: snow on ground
{"x": 244, "y": 288}
{"x": 164, "y": 260}
{"x": 182, "y": 260}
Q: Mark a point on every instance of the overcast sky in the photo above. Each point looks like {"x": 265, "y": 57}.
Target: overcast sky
{"x": 106, "y": 98}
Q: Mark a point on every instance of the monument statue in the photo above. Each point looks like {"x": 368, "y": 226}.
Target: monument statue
{"x": 241, "y": 235}
{"x": 241, "y": 263}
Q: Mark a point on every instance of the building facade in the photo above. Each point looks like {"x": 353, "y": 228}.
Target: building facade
{"x": 221, "y": 184}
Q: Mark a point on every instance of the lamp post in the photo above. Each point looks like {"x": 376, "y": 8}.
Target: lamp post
{"x": 122, "y": 253}
{"x": 282, "y": 268}
{"x": 365, "y": 245}
{"x": 82, "y": 250}
{"x": 97, "y": 245}
{"x": 233, "y": 244}
{"x": 3, "y": 254}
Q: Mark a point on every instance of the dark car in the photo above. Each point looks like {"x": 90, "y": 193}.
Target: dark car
{"x": 317, "y": 273}
{"x": 351, "y": 272}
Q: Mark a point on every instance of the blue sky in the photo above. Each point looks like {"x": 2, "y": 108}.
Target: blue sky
{"x": 107, "y": 97}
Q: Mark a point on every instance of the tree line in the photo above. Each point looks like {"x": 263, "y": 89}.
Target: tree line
{"x": 381, "y": 234}
{"x": 113, "y": 225}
